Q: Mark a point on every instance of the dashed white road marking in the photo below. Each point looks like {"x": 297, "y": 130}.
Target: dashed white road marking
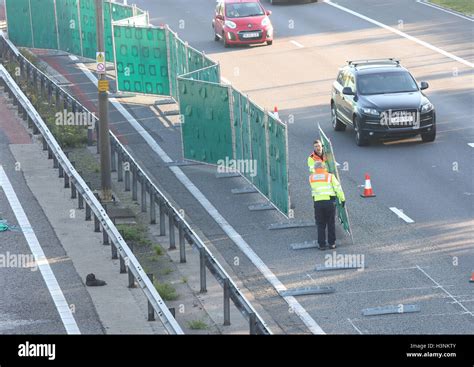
{"x": 445, "y": 291}
{"x": 445, "y": 10}
{"x": 295, "y": 306}
{"x": 297, "y": 44}
{"x": 471, "y": 145}
{"x": 355, "y": 327}
{"x": 403, "y": 34}
{"x": 73, "y": 58}
{"x": 163, "y": 121}
{"x": 402, "y": 215}
{"x": 41, "y": 261}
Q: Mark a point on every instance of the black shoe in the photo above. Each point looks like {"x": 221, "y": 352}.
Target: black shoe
{"x": 91, "y": 281}
{"x": 322, "y": 248}
{"x": 333, "y": 246}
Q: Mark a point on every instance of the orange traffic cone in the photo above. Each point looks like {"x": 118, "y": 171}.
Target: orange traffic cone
{"x": 275, "y": 112}
{"x": 368, "y": 193}
{"x": 472, "y": 278}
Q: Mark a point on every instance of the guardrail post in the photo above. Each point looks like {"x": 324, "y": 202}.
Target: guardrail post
{"x": 57, "y": 99}
{"x": 55, "y": 162}
{"x": 113, "y": 162}
{"x": 182, "y": 243}
{"x": 152, "y": 207}
{"x": 114, "y": 251}
{"x": 123, "y": 268}
{"x": 171, "y": 229}
{"x": 226, "y": 302}
{"x": 50, "y": 153}
{"x": 41, "y": 86}
{"x": 66, "y": 181}
{"x": 143, "y": 194}
{"x": 50, "y": 92}
{"x": 253, "y": 323}
{"x": 202, "y": 267}
{"x": 73, "y": 191}
{"x": 119, "y": 167}
{"x": 60, "y": 172}
{"x": 80, "y": 202}
{"x": 162, "y": 219}
{"x": 45, "y": 143}
{"x": 90, "y": 136}
{"x": 134, "y": 184}
{"x": 127, "y": 178}
{"x": 151, "y": 311}
{"x": 96, "y": 224}
{"x": 88, "y": 212}
{"x": 131, "y": 278}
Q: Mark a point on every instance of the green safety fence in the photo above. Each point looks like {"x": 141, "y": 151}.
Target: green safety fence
{"x": 206, "y": 130}
{"x": 332, "y": 168}
{"x": 142, "y": 63}
{"x": 68, "y": 25}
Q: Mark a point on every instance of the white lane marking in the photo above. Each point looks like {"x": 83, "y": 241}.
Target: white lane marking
{"x": 445, "y": 291}
{"x": 403, "y": 34}
{"x": 163, "y": 121}
{"x": 295, "y": 306}
{"x": 73, "y": 58}
{"x": 41, "y": 261}
{"x": 355, "y": 327}
{"x": 471, "y": 145}
{"x": 445, "y": 10}
{"x": 402, "y": 215}
{"x": 297, "y": 44}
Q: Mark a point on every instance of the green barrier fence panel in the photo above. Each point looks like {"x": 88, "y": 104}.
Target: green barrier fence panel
{"x": 68, "y": 26}
{"x": 113, "y": 12}
{"x": 332, "y": 168}
{"x": 44, "y": 24}
{"x": 237, "y": 123}
{"x": 278, "y": 154}
{"x": 88, "y": 28}
{"x": 259, "y": 148}
{"x": 142, "y": 64}
{"x": 195, "y": 59}
{"x": 206, "y": 130}
{"x": 173, "y": 62}
{"x": 246, "y": 133}
{"x": 19, "y": 26}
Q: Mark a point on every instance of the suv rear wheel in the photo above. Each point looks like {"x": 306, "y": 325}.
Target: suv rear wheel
{"x": 336, "y": 123}
{"x": 361, "y": 138}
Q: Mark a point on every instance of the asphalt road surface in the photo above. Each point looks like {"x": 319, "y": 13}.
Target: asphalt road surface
{"x": 427, "y": 262}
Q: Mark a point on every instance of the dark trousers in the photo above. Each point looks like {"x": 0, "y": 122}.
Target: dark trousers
{"x": 324, "y": 213}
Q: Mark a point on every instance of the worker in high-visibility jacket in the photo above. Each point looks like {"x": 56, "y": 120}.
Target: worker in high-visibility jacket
{"x": 325, "y": 188}
{"x": 316, "y": 155}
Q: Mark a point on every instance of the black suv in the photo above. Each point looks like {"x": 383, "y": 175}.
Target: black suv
{"x": 381, "y": 99}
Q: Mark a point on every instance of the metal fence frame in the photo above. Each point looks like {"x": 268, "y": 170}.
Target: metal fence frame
{"x": 78, "y": 187}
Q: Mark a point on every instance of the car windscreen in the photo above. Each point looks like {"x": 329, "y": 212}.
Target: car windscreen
{"x": 386, "y": 82}
{"x": 241, "y": 10}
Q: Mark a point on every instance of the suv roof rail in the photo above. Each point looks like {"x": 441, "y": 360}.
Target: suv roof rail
{"x": 391, "y": 61}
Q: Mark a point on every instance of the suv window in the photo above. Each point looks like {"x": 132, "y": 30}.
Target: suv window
{"x": 386, "y": 82}
{"x": 340, "y": 78}
{"x": 349, "y": 81}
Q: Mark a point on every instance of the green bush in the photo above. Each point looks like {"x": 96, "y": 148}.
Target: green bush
{"x": 166, "y": 291}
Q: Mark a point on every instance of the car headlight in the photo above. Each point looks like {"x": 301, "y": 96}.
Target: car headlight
{"x": 370, "y": 111}
{"x": 427, "y": 107}
{"x": 230, "y": 24}
{"x": 265, "y": 21}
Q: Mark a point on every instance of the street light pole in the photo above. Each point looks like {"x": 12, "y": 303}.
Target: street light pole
{"x": 104, "y": 143}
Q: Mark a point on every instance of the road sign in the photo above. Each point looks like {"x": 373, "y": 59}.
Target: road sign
{"x": 100, "y": 59}
{"x": 103, "y": 85}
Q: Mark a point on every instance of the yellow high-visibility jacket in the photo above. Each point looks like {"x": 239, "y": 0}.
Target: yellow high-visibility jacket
{"x": 324, "y": 185}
